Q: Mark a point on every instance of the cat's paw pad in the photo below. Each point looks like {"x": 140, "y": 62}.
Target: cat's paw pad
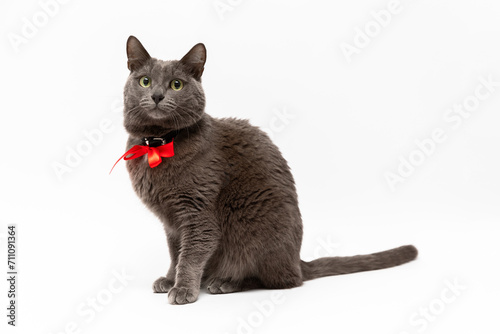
{"x": 179, "y": 296}
{"x": 218, "y": 286}
{"x": 162, "y": 285}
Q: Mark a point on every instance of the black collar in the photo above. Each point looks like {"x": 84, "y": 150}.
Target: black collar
{"x": 158, "y": 141}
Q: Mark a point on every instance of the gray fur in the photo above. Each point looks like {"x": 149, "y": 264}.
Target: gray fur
{"x": 227, "y": 198}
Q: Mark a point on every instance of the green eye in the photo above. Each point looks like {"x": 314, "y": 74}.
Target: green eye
{"x": 176, "y": 84}
{"x": 145, "y": 82}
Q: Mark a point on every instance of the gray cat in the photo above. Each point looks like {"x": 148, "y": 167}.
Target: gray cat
{"x": 227, "y": 198}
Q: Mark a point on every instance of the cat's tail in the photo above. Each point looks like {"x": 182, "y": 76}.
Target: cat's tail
{"x": 328, "y": 266}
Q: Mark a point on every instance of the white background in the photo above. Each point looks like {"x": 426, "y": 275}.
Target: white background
{"x": 349, "y": 123}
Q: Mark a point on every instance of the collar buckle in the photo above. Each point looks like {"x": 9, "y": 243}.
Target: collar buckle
{"x": 154, "y": 141}
{"x": 159, "y": 141}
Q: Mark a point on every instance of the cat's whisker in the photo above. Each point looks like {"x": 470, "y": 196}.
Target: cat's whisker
{"x": 189, "y": 113}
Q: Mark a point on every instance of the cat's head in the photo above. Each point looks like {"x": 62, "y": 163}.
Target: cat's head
{"x": 162, "y": 96}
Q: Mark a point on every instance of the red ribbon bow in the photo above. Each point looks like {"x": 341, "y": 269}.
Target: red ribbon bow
{"x": 154, "y": 154}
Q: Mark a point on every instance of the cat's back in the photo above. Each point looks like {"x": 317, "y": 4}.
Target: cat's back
{"x": 252, "y": 157}
{"x": 232, "y": 128}
{"x": 238, "y": 137}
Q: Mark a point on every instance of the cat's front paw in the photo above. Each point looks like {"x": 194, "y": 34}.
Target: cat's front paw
{"x": 179, "y": 296}
{"x": 162, "y": 285}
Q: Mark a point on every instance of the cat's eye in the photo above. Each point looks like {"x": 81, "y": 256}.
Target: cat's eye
{"x": 145, "y": 82}
{"x": 176, "y": 84}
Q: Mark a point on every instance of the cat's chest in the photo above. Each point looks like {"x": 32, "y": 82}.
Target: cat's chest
{"x": 153, "y": 185}
{"x": 163, "y": 187}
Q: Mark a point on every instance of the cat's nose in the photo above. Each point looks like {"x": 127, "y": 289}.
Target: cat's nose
{"x": 157, "y": 97}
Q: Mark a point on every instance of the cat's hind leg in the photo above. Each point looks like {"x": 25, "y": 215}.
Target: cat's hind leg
{"x": 219, "y": 286}
{"x": 280, "y": 273}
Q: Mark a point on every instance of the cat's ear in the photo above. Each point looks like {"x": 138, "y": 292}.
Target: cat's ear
{"x": 136, "y": 53}
{"x": 195, "y": 60}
